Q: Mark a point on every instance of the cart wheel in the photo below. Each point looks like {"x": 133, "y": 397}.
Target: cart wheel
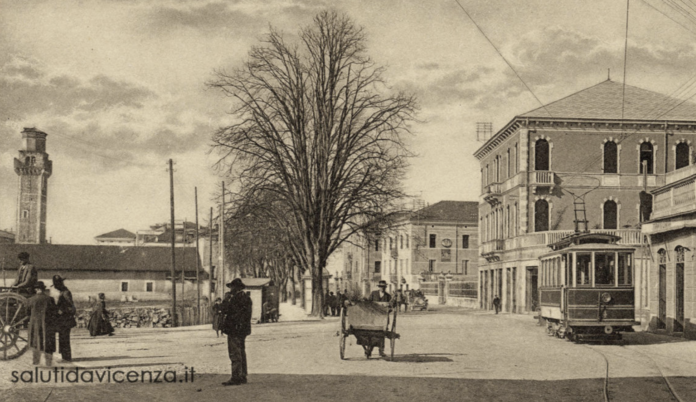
{"x": 342, "y": 345}
{"x": 14, "y": 335}
{"x": 342, "y": 335}
{"x": 392, "y": 342}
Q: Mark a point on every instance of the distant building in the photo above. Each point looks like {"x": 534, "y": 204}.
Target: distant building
{"x": 6, "y": 237}
{"x": 120, "y": 237}
{"x": 140, "y": 272}
{"x": 33, "y": 168}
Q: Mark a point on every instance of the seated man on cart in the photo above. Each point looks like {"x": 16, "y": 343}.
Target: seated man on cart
{"x": 381, "y": 295}
{"x": 27, "y": 276}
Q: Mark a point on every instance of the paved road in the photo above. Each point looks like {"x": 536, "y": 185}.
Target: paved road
{"x": 447, "y": 354}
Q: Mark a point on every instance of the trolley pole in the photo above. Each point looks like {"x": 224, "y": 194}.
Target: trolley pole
{"x": 198, "y": 282}
{"x": 173, "y": 270}
{"x": 222, "y": 240}
{"x": 210, "y": 254}
{"x": 183, "y": 272}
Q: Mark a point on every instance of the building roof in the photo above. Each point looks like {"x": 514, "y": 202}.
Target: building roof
{"x": 605, "y": 101}
{"x": 117, "y": 234}
{"x": 67, "y": 257}
{"x": 448, "y": 211}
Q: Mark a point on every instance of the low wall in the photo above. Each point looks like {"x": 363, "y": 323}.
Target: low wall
{"x": 466, "y": 302}
{"x": 147, "y": 317}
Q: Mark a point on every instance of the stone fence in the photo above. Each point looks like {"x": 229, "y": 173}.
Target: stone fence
{"x": 452, "y": 293}
{"x": 148, "y": 317}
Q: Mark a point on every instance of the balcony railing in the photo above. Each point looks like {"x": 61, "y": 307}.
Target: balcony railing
{"x": 492, "y": 193}
{"x": 628, "y": 237}
{"x": 676, "y": 175}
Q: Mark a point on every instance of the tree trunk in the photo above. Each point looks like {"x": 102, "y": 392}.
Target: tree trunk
{"x": 317, "y": 295}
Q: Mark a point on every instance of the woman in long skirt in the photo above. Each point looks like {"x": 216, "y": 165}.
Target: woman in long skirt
{"x": 216, "y": 310}
{"x": 99, "y": 323}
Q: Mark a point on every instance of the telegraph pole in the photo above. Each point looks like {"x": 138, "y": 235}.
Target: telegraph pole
{"x": 183, "y": 271}
{"x": 173, "y": 270}
{"x": 222, "y": 239}
{"x": 198, "y": 282}
{"x": 210, "y": 262}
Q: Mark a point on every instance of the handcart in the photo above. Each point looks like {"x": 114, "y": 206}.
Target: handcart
{"x": 371, "y": 323}
{"x": 14, "y": 321}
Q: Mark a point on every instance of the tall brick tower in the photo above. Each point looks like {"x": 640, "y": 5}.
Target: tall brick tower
{"x": 33, "y": 168}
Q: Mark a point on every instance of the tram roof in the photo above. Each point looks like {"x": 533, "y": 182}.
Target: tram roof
{"x": 590, "y": 247}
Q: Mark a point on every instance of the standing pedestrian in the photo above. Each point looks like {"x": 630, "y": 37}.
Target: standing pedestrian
{"x": 237, "y": 326}
{"x": 327, "y": 306}
{"x": 26, "y": 276}
{"x": 332, "y": 304}
{"x": 496, "y": 303}
{"x": 65, "y": 318}
{"x": 99, "y": 323}
{"x": 216, "y": 311}
{"x": 42, "y": 310}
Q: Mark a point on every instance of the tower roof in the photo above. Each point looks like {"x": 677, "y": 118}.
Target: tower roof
{"x": 606, "y": 100}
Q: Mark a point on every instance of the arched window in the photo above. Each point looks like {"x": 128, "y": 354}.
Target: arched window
{"x": 611, "y": 157}
{"x": 646, "y": 154}
{"x": 681, "y": 159}
{"x": 541, "y": 216}
{"x": 541, "y": 155}
{"x": 27, "y": 160}
{"x": 610, "y": 215}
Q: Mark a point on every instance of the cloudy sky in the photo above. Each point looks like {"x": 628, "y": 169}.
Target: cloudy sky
{"x": 119, "y": 86}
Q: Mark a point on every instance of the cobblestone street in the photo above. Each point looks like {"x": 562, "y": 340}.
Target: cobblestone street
{"x": 445, "y": 354}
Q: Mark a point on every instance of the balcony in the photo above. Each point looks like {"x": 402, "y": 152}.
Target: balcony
{"x": 493, "y": 194}
{"x": 492, "y": 250}
{"x": 676, "y": 198}
{"x": 541, "y": 179}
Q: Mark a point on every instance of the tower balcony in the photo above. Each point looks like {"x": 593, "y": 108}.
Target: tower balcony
{"x": 493, "y": 194}
{"x": 490, "y": 250}
{"x": 541, "y": 179}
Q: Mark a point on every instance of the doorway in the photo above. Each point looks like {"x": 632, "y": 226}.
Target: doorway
{"x": 679, "y": 291}
{"x": 532, "y": 290}
{"x": 662, "y": 308}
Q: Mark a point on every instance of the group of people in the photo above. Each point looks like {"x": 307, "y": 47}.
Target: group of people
{"x": 333, "y": 303}
{"x": 48, "y": 316}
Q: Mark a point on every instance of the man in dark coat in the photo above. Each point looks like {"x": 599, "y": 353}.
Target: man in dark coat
{"x": 216, "y": 311}
{"x": 65, "y": 318}
{"x": 42, "y": 310}
{"x": 26, "y": 276}
{"x": 496, "y": 303}
{"x": 236, "y": 310}
{"x": 381, "y": 295}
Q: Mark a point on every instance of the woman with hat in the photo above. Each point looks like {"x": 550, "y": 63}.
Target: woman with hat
{"x": 99, "y": 323}
{"x": 65, "y": 318}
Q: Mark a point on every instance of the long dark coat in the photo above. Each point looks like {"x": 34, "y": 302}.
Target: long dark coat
{"x": 237, "y": 315}
{"x": 216, "y": 310}
{"x": 42, "y": 310}
{"x": 66, "y": 310}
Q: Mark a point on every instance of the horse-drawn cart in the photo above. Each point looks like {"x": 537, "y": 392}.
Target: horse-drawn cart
{"x": 371, "y": 323}
{"x": 14, "y": 321}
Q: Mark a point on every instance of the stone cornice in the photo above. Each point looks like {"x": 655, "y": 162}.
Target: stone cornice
{"x": 541, "y": 123}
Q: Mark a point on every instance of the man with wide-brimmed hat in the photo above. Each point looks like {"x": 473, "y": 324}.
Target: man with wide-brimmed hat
{"x": 26, "y": 276}
{"x": 65, "y": 318}
{"x": 381, "y": 295}
{"x": 236, "y": 323}
{"x": 42, "y": 310}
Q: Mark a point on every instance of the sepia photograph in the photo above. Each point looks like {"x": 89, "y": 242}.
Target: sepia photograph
{"x": 315, "y": 200}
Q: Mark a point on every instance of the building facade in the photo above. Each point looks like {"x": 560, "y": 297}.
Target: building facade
{"x": 120, "y": 237}
{"x": 439, "y": 239}
{"x": 670, "y": 304}
{"x": 33, "y": 168}
{"x": 581, "y": 160}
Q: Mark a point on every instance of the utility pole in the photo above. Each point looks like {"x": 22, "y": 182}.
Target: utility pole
{"x": 222, "y": 239}
{"x": 198, "y": 282}
{"x": 210, "y": 262}
{"x": 183, "y": 271}
{"x": 173, "y": 270}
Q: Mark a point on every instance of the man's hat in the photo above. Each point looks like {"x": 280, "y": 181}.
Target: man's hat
{"x": 57, "y": 279}
{"x": 23, "y": 255}
{"x": 40, "y": 285}
{"x": 382, "y": 284}
{"x": 236, "y": 283}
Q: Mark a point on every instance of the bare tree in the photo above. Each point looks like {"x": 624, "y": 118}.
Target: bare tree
{"x": 317, "y": 128}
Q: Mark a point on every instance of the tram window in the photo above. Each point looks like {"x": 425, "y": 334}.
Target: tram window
{"x": 625, "y": 269}
{"x": 582, "y": 266}
{"x": 604, "y": 268}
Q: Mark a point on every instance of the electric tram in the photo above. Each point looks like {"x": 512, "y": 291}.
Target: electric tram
{"x": 586, "y": 288}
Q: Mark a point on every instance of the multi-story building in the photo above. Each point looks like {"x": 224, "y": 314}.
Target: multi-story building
{"x": 421, "y": 245}
{"x": 120, "y": 237}
{"x": 584, "y": 158}
{"x": 670, "y": 301}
